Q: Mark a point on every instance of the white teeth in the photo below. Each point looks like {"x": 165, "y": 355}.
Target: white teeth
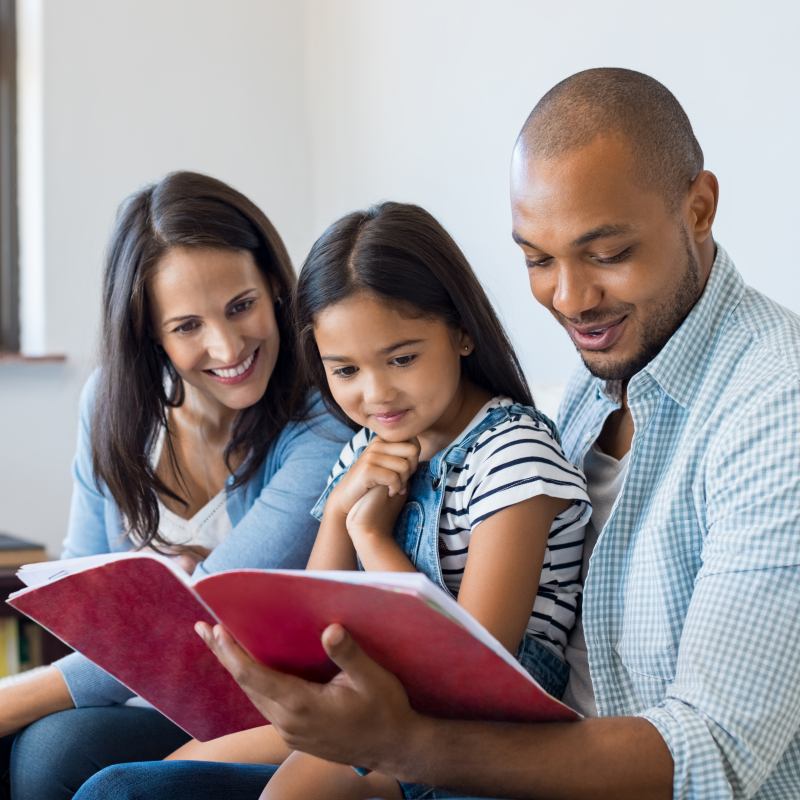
{"x": 235, "y": 371}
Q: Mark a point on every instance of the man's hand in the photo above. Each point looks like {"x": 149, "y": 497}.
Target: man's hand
{"x": 356, "y": 718}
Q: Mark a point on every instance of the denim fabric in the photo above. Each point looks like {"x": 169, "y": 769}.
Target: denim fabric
{"x": 177, "y": 780}
{"x": 50, "y": 759}
{"x": 417, "y": 530}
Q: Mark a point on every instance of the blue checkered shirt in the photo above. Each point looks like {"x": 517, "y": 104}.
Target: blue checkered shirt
{"x": 691, "y": 606}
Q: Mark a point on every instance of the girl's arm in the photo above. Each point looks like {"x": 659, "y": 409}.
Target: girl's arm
{"x": 503, "y": 567}
{"x": 332, "y": 548}
{"x": 361, "y": 510}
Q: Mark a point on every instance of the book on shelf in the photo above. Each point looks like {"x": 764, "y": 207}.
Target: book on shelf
{"x": 15, "y": 551}
{"x": 133, "y": 614}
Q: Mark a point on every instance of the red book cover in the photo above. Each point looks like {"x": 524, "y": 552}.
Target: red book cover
{"x": 134, "y": 617}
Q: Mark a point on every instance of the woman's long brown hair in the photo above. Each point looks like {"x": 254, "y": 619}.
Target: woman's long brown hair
{"x": 137, "y": 382}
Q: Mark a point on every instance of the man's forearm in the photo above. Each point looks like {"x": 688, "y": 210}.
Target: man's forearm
{"x": 598, "y": 758}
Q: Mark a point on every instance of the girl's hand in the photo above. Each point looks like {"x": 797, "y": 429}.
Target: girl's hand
{"x": 374, "y": 514}
{"x": 384, "y": 464}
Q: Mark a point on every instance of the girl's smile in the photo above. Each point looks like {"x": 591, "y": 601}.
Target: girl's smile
{"x": 396, "y": 374}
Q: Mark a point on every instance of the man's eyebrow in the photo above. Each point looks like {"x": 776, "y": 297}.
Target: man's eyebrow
{"x": 600, "y": 232}
{"x": 383, "y": 351}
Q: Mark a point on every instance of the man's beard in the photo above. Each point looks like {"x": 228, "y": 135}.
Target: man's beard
{"x": 660, "y": 326}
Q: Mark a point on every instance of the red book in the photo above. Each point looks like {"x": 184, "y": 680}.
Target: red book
{"x": 133, "y": 614}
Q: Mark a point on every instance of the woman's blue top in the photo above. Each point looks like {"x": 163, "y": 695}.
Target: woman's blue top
{"x": 270, "y": 517}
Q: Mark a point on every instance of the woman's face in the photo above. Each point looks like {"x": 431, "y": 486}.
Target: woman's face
{"x": 213, "y": 313}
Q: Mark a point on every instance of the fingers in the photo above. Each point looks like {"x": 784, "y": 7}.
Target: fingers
{"x": 265, "y": 687}
{"x": 342, "y": 649}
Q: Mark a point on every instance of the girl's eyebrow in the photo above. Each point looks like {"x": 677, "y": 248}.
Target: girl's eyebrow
{"x": 384, "y": 351}
{"x": 182, "y": 317}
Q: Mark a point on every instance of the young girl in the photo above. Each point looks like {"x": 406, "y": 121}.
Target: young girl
{"x": 453, "y": 473}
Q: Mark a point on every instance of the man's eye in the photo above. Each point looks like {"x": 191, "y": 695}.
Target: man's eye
{"x": 615, "y": 259}
{"x": 187, "y": 327}
{"x": 403, "y": 361}
{"x": 530, "y": 263}
{"x": 344, "y": 372}
{"x": 242, "y": 305}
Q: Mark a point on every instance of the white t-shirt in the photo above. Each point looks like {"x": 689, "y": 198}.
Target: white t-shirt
{"x": 513, "y": 461}
{"x": 605, "y": 476}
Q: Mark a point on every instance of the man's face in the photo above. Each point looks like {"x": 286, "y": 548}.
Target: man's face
{"x": 612, "y": 263}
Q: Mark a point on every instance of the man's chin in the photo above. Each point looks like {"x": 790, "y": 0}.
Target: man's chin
{"x": 613, "y": 369}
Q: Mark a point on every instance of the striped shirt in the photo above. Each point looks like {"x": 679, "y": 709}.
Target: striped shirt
{"x": 508, "y": 463}
{"x": 691, "y": 605}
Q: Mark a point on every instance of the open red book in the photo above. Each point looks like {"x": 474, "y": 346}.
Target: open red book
{"x": 133, "y": 614}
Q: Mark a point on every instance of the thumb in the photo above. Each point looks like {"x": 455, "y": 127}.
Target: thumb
{"x": 349, "y": 657}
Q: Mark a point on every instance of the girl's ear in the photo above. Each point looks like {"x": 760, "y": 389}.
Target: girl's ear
{"x": 465, "y": 344}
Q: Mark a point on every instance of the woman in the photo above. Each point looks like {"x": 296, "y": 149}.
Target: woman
{"x": 197, "y": 438}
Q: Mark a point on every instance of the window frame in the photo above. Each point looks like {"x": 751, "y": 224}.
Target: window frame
{"x": 9, "y": 215}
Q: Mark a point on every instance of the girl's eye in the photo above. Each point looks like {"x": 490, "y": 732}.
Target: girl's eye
{"x": 544, "y": 261}
{"x": 345, "y": 372}
{"x": 616, "y": 259}
{"x": 242, "y": 305}
{"x": 187, "y": 327}
{"x": 403, "y": 361}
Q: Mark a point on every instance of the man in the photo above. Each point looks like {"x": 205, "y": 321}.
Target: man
{"x": 686, "y": 417}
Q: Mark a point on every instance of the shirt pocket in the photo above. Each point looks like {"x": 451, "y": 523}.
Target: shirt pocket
{"x": 653, "y": 609}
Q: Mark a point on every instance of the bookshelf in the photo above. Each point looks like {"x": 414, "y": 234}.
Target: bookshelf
{"x": 23, "y": 644}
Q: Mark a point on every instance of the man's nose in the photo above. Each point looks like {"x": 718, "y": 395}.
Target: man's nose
{"x": 574, "y": 292}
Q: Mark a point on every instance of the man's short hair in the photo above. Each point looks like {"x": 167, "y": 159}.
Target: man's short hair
{"x": 611, "y": 101}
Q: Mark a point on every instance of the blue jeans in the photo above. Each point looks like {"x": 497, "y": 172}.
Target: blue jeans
{"x": 189, "y": 780}
{"x": 51, "y": 758}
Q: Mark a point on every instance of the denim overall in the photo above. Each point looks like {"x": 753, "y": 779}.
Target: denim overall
{"x": 417, "y": 530}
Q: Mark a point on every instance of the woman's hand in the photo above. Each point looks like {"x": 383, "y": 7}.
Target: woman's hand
{"x": 382, "y": 464}
{"x": 188, "y": 558}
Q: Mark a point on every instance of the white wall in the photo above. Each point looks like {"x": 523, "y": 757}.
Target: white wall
{"x": 422, "y": 101}
{"x": 318, "y": 107}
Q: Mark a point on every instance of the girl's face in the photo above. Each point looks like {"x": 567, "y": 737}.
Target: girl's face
{"x": 399, "y": 376}
{"x": 212, "y": 312}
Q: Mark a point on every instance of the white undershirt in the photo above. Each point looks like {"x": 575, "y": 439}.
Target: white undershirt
{"x": 206, "y": 528}
{"x": 604, "y": 476}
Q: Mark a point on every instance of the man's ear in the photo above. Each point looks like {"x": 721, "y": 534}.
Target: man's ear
{"x": 702, "y": 205}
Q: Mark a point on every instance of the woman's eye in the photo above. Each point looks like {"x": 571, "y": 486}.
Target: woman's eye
{"x": 615, "y": 259}
{"x": 403, "y": 361}
{"x": 187, "y": 327}
{"x": 345, "y": 372}
{"x": 242, "y": 305}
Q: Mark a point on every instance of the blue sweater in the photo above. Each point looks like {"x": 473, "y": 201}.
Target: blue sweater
{"x": 272, "y": 526}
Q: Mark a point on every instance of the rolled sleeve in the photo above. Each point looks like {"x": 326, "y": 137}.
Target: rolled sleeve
{"x": 89, "y": 685}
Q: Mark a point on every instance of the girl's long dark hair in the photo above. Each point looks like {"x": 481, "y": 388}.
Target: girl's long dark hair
{"x": 184, "y": 209}
{"x": 401, "y": 253}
